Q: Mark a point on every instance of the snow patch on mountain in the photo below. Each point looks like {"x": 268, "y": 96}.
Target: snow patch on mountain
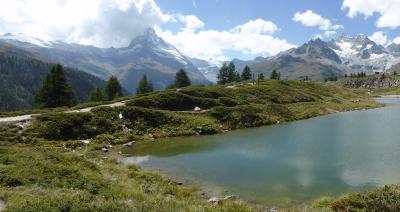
{"x": 25, "y": 39}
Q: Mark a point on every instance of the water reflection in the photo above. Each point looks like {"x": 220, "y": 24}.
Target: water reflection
{"x": 288, "y": 163}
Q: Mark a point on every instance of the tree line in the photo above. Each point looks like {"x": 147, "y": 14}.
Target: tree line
{"x": 56, "y": 91}
{"x": 228, "y": 74}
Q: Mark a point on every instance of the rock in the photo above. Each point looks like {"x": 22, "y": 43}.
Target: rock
{"x": 110, "y": 146}
{"x": 2, "y": 205}
{"x": 85, "y": 141}
{"x": 214, "y": 200}
{"x": 273, "y": 210}
{"x": 231, "y": 197}
{"x": 130, "y": 143}
{"x": 125, "y": 129}
{"x": 120, "y": 115}
{"x": 170, "y": 197}
{"x": 104, "y": 150}
{"x": 197, "y": 109}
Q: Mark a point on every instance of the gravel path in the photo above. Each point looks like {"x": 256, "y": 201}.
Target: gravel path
{"x": 26, "y": 118}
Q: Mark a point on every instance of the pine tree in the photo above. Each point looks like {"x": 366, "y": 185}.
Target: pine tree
{"x": 232, "y": 74}
{"x": 96, "y": 95}
{"x": 55, "y": 90}
{"x": 181, "y": 79}
{"x": 274, "y": 75}
{"x": 246, "y": 74}
{"x": 144, "y": 86}
{"x": 112, "y": 89}
{"x": 261, "y": 76}
{"x": 223, "y": 74}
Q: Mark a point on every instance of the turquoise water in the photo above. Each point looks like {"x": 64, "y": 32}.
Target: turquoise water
{"x": 290, "y": 163}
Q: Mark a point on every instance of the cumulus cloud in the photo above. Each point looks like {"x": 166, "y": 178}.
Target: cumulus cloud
{"x": 311, "y": 19}
{"x": 396, "y": 40}
{"x": 253, "y": 37}
{"x": 379, "y": 38}
{"x": 101, "y": 23}
{"x": 388, "y": 11}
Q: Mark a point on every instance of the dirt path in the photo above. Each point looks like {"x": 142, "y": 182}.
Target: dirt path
{"x": 28, "y": 117}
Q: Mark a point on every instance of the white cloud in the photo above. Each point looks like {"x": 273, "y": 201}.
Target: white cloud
{"x": 253, "y": 37}
{"x": 396, "y": 40}
{"x": 379, "y": 38}
{"x": 257, "y": 26}
{"x": 388, "y": 11}
{"x": 311, "y": 19}
{"x": 191, "y": 22}
{"x": 326, "y": 34}
{"x": 98, "y": 22}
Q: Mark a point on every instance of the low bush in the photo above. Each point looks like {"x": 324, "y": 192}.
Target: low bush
{"x": 172, "y": 100}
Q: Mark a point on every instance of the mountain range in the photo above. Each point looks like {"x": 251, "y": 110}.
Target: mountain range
{"x": 318, "y": 59}
{"x": 151, "y": 55}
{"x": 146, "y": 54}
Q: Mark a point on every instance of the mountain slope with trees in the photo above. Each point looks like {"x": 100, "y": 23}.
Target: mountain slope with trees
{"x": 20, "y": 78}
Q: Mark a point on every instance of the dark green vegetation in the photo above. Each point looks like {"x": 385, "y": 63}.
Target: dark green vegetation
{"x": 275, "y": 75}
{"x": 37, "y": 175}
{"x": 223, "y": 107}
{"x": 181, "y": 80}
{"x": 382, "y": 199}
{"x": 21, "y": 77}
{"x": 228, "y": 74}
{"x": 246, "y": 74}
{"x": 145, "y": 86}
{"x": 55, "y": 90}
{"x": 112, "y": 89}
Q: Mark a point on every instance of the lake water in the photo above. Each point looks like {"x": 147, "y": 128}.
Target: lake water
{"x": 289, "y": 163}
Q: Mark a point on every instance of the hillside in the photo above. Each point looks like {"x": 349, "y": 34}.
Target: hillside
{"x": 375, "y": 81}
{"x": 97, "y": 181}
{"x": 20, "y": 77}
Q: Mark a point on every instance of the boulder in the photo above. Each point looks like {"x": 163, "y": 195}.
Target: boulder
{"x": 104, "y": 150}
{"x": 214, "y": 200}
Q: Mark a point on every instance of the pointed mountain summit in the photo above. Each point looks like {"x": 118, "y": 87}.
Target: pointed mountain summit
{"x": 146, "y": 54}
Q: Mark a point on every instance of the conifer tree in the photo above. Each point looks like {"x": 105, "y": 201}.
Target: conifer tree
{"x": 246, "y": 74}
{"x": 232, "y": 74}
{"x": 261, "y": 76}
{"x": 56, "y": 90}
{"x": 96, "y": 95}
{"x": 274, "y": 75}
{"x": 145, "y": 86}
{"x": 112, "y": 89}
{"x": 181, "y": 79}
{"x": 223, "y": 74}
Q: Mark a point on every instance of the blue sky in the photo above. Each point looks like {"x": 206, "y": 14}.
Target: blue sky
{"x": 226, "y": 14}
{"x": 214, "y": 30}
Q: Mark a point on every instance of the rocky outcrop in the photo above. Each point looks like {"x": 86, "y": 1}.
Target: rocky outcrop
{"x": 371, "y": 82}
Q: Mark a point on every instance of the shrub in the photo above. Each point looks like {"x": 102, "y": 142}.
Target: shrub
{"x": 171, "y": 100}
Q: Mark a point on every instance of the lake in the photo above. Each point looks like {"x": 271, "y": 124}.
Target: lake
{"x": 287, "y": 164}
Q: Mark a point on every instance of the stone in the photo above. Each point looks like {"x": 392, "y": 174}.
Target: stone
{"x": 104, "y": 150}
{"x": 2, "y": 204}
{"x": 86, "y": 141}
{"x": 273, "y": 210}
{"x": 231, "y": 197}
{"x": 130, "y": 143}
{"x": 197, "y": 109}
{"x": 214, "y": 200}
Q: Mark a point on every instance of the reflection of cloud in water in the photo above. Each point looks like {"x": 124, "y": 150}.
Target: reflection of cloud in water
{"x": 135, "y": 160}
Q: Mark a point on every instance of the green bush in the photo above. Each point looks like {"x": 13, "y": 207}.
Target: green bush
{"x": 171, "y": 100}
{"x": 228, "y": 102}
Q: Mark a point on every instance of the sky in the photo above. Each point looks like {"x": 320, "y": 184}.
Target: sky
{"x": 206, "y": 29}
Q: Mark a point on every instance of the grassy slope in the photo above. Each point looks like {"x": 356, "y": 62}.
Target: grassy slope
{"x": 37, "y": 173}
{"x": 160, "y": 114}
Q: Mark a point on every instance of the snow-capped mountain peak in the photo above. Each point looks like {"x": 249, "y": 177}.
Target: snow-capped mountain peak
{"x": 25, "y": 39}
{"x": 149, "y": 40}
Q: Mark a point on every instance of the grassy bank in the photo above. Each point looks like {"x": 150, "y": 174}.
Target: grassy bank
{"x": 170, "y": 113}
{"x": 46, "y": 167}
